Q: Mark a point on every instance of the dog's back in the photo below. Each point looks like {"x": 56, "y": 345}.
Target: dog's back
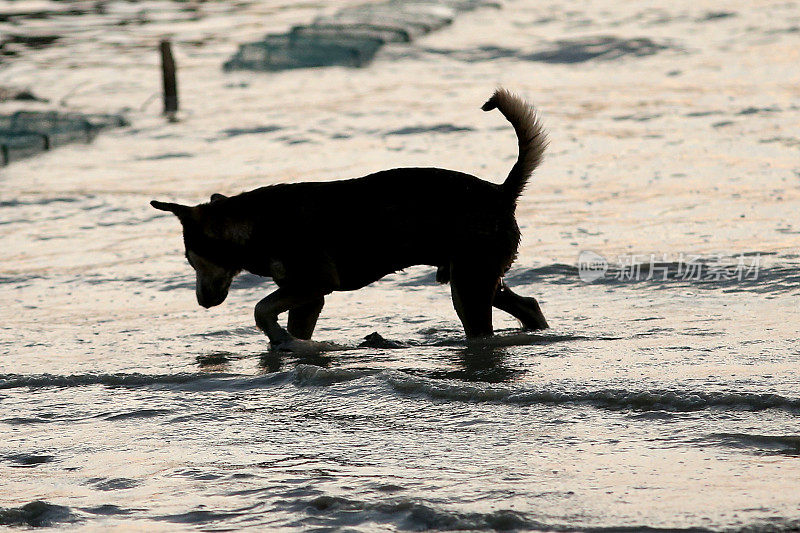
{"x": 371, "y": 226}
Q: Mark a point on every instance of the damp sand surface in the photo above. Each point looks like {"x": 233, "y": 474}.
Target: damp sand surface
{"x": 662, "y": 403}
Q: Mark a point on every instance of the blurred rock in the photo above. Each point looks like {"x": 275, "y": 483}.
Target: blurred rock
{"x": 11, "y": 93}
{"x": 282, "y": 52}
{"x": 27, "y": 133}
{"x": 350, "y": 37}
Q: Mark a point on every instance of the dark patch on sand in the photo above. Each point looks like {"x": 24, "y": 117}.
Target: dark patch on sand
{"x": 758, "y": 110}
{"x": 118, "y": 483}
{"x": 581, "y": 50}
{"x": 294, "y": 140}
{"x": 603, "y": 48}
{"x": 789, "y": 142}
{"x": 637, "y": 117}
{"x": 697, "y": 114}
{"x": 438, "y": 128}
{"x": 716, "y": 15}
{"x": 24, "y": 460}
{"x": 169, "y": 155}
{"x": 108, "y": 510}
{"x": 235, "y": 132}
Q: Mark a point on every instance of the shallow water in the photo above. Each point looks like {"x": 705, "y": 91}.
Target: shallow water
{"x": 665, "y": 403}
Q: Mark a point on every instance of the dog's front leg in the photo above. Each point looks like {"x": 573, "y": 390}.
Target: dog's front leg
{"x": 268, "y": 309}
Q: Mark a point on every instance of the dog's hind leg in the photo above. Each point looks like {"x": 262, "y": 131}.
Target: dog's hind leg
{"x": 524, "y": 309}
{"x": 268, "y": 309}
{"x": 473, "y": 291}
{"x": 303, "y": 319}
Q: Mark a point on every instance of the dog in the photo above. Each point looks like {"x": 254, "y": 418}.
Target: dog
{"x": 316, "y": 238}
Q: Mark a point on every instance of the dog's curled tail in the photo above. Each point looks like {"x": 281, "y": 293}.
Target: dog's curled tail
{"x": 531, "y": 137}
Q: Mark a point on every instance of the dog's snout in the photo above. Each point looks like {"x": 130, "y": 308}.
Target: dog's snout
{"x": 212, "y": 290}
{"x": 208, "y": 301}
{"x": 201, "y": 299}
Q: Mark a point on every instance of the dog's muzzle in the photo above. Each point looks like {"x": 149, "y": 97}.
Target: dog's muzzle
{"x": 208, "y": 302}
{"x": 209, "y": 296}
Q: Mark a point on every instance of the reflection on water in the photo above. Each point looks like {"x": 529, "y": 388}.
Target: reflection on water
{"x": 483, "y": 363}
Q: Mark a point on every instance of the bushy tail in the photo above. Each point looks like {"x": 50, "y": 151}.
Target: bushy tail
{"x": 530, "y": 135}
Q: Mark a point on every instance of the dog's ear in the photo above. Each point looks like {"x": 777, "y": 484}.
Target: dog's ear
{"x": 217, "y": 197}
{"x": 177, "y": 209}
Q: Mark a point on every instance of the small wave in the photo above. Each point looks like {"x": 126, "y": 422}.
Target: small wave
{"x": 314, "y": 375}
{"x": 307, "y": 348}
{"x": 36, "y": 514}
{"x": 38, "y": 201}
{"x": 108, "y": 509}
{"x": 710, "y": 275}
{"x": 766, "y": 444}
{"x": 616, "y": 399}
{"x": 138, "y": 413}
{"x": 24, "y": 420}
{"x": 417, "y": 516}
{"x": 309, "y": 375}
{"x": 13, "y": 381}
{"x": 302, "y": 374}
{"x": 413, "y": 515}
{"x": 202, "y": 516}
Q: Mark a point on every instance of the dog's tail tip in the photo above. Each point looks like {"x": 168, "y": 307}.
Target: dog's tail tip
{"x": 491, "y": 103}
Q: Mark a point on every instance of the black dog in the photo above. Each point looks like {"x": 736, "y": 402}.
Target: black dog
{"x": 316, "y": 238}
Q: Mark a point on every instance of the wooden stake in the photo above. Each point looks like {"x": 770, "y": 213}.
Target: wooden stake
{"x": 170, "y": 82}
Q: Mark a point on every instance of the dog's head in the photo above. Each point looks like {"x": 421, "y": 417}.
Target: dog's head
{"x": 211, "y": 249}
